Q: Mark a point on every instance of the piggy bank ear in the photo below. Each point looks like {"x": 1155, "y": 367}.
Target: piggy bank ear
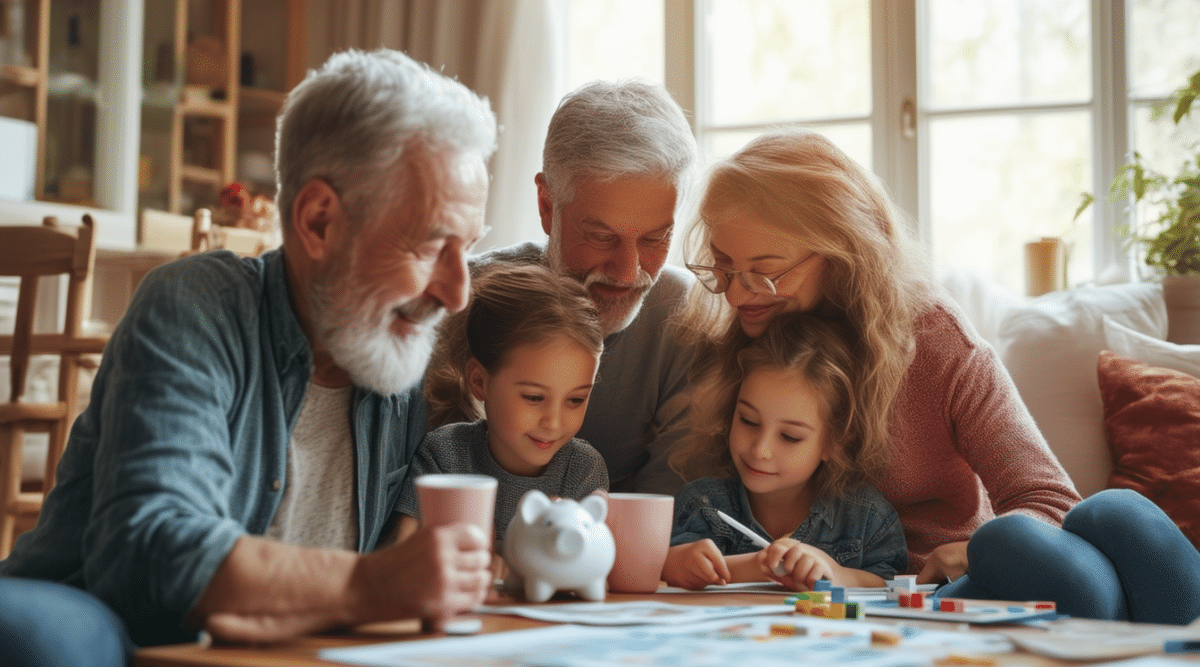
{"x": 597, "y": 506}
{"x": 533, "y": 504}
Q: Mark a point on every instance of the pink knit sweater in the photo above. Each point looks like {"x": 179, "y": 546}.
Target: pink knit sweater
{"x": 965, "y": 448}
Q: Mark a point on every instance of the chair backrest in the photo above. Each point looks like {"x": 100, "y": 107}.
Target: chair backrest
{"x": 209, "y": 236}
{"x": 32, "y": 252}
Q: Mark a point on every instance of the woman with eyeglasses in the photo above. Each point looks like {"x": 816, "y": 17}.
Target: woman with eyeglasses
{"x": 792, "y": 224}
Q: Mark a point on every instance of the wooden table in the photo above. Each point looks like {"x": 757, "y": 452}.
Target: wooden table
{"x": 304, "y": 651}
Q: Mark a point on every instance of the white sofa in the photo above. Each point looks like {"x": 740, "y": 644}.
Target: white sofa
{"x": 1050, "y": 346}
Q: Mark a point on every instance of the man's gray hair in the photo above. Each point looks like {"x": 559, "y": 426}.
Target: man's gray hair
{"x": 610, "y": 129}
{"x": 353, "y": 119}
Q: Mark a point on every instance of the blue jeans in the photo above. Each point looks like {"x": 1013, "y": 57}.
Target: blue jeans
{"x": 1117, "y": 556}
{"x": 48, "y": 624}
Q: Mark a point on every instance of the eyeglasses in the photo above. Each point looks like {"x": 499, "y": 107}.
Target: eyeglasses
{"x": 717, "y": 280}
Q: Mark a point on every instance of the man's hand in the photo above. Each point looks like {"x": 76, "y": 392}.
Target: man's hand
{"x": 947, "y": 562}
{"x": 803, "y": 564}
{"x": 433, "y": 575}
{"x": 696, "y": 565}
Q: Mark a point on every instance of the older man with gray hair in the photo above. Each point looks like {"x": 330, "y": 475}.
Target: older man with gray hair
{"x": 253, "y": 419}
{"x": 617, "y": 164}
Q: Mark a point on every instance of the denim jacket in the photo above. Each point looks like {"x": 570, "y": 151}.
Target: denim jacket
{"x": 860, "y": 530}
{"x": 183, "y": 447}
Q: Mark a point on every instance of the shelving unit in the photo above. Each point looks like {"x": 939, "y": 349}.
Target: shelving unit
{"x": 23, "y": 86}
{"x": 208, "y": 126}
{"x": 200, "y": 107}
{"x": 190, "y": 138}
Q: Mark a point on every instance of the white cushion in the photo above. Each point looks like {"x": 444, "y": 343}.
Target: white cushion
{"x": 983, "y": 300}
{"x": 1149, "y": 350}
{"x": 1050, "y": 347}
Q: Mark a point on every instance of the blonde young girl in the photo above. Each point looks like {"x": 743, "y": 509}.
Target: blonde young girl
{"x": 523, "y": 357}
{"x": 790, "y": 224}
{"x": 777, "y": 437}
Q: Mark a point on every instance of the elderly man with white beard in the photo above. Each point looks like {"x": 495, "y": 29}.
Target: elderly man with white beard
{"x": 253, "y": 418}
{"x": 618, "y": 161}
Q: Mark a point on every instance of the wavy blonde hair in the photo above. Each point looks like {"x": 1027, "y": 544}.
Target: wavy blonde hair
{"x": 876, "y": 275}
{"x": 818, "y": 350}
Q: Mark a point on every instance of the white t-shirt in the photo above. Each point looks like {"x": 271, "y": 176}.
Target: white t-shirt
{"x": 318, "y": 508}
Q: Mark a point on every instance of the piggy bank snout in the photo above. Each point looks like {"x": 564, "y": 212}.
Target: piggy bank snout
{"x": 569, "y": 542}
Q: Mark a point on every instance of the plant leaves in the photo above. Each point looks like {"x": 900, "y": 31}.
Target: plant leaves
{"x": 1137, "y": 181}
{"x": 1183, "y": 106}
{"x": 1086, "y": 200}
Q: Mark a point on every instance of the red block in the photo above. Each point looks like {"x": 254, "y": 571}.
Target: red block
{"x": 951, "y": 604}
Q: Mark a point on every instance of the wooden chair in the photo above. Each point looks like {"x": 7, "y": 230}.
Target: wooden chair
{"x": 197, "y": 233}
{"x": 30, "y": 252}
{"x": 209, "y": 236}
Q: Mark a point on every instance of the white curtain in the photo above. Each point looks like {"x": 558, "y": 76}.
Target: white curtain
{"x": 512, "y": 51}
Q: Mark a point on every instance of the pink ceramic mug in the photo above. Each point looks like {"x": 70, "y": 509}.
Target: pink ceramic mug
{"x": 641, "y": 528}
{"x": 447, "y": 499}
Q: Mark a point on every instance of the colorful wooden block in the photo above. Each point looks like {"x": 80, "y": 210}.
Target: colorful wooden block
{"x": 950, "y": 604}
{"x": 901, "y": 583}
{"x": 837, "y": 610}
{"x": 852, "y": 611}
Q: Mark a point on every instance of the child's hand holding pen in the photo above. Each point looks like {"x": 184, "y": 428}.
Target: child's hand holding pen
{"x": 696, "y": 565}
{"x": 802, "y": 564}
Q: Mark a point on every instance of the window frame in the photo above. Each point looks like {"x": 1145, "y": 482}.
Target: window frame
{"x": 902, "y": 162}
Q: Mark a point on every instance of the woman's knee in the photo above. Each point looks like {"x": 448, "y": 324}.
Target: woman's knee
{"x": 1114, "y": 512}
{"x": 1017, "y": 557}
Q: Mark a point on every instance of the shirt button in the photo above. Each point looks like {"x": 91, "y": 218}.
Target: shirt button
{"x": 275, "y": 485}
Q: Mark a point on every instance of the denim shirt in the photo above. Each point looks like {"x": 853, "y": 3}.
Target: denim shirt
{"x": 183, "y": 447}
{"x": 859, "y": 530}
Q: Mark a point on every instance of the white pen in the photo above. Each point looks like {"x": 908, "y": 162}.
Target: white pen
{"x": 759, "y": 540}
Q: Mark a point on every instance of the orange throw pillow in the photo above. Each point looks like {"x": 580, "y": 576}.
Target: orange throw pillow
{"x": 1152, "y": 420}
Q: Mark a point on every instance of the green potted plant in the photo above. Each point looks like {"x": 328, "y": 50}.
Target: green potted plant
{"x": 1170, "y": 240}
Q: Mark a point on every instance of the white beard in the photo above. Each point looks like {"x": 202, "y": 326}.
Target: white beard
{"x": 356, "y": 332}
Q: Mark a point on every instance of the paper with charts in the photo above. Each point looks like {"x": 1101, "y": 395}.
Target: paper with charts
{"x": 641, "y": 612}
{"x": 762, "y": 641}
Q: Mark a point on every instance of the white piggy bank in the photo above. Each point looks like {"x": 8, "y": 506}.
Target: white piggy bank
{"x": 559, "y": 545}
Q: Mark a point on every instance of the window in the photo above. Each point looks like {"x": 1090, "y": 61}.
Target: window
{"x": 614, "y": 39}
{"x": 985, "y": 119}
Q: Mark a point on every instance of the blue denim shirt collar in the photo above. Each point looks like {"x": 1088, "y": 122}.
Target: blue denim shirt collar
{"x": 294, "y": 346}
{"x": 820, "y": 511}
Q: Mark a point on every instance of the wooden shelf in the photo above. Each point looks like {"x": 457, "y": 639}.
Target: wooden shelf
{"x": 197, "y": 174}
{"x": 258, "y": 100}
{"x": 20, "y": 75}
{"x": 212, "y": 109}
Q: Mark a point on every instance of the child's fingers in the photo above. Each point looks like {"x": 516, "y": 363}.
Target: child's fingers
{"x": 719, "y": 567}
{"x": 704, "y": 573}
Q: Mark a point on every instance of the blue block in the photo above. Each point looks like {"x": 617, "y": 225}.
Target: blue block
{"x": 822, "y": 585}
{"x": 837, "y": 594}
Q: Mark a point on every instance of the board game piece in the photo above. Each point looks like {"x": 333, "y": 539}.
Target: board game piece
{"x": 959, "y": 659}
{"x": 885, "y": 637}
